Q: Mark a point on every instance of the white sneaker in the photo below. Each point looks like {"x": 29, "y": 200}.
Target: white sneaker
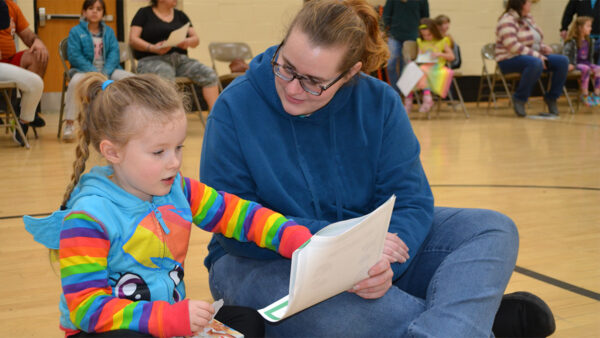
{"x": 69, "y": 132}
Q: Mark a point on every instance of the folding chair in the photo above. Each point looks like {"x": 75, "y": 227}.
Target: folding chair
{"x": 227, "y": 52}
{"x": 10, "y": 119}
{"x": 62, "y": 51}
{"x": 181, "y": 81}
{"x": 409, "y": 53}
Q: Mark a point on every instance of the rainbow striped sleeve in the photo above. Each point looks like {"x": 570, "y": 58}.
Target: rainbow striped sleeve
{"x": 84, "y": 247}
{"x": 245, "y": 221}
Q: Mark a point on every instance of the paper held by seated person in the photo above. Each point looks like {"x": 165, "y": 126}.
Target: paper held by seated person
{"x": 411, "y": 75}
{"x": 177, "y": 36}
{"x": 333, "y": 261}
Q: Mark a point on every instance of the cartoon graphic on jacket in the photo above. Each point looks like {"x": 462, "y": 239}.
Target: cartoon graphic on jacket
{"x": 122, "y": 259}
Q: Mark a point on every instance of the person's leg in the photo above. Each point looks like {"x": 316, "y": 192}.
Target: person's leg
{"x": 258, "y": 283}
{"x": 70, "y": 99}
{"x": 461, "y": 271}
{"x": 159, "y": 64}
{"x": 30, "y": 62}
{"x": 558, "y": 65}
{"x": 202, "y": 75}
{"x": 530, "y": 69}
{"x": 596, "y": 72}
{"x": 119, "y": 74}
{"x": 585, "y": 77}
{"x": 71, "y": 107}
{"x": 243, "y": 319}
{"x": 395, "y": 62}
{"x": 30, "y": 85}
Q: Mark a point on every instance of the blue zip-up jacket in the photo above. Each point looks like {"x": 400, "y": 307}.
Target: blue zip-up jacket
{"x": 122, "y": 258}
{"x": 342, "y": 161}
{"x": 80, "y": 49}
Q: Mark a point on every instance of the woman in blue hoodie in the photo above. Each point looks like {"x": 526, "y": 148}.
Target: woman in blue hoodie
{"x": 92, "y": 47}
{"x": 306, "y": 132}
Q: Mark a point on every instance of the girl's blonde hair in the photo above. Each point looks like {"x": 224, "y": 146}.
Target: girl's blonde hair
{"x": 106, "y": 114}
{"x": 353, "y": 24}
{"x": 575, "y": 30}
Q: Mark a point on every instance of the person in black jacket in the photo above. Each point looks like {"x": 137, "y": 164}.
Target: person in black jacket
{"x": 582, "y": 8}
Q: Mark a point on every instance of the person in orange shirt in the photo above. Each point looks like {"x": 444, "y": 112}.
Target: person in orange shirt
{"x": 28, "y": 80}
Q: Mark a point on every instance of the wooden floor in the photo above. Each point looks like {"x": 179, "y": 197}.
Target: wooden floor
{"x": 544, "y": 174}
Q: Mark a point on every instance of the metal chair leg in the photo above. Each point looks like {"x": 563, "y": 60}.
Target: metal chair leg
{"x": 460, "y": 97}
{"x": 13, "y": 114}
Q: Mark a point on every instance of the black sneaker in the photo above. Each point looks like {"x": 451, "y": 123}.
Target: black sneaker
{"x": 552, "y": 107}
{"x": 38, "y": 121}
{"x": 519, "y": 107}
{"x": 17, "y": 137}
{"x": 523, "y": 314}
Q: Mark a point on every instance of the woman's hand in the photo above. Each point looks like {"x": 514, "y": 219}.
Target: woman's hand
{"x": 378, "y": 282}
{"x": 159, "y": 48}
{"x": 394, "y": 249}
{"x": 185, "y": 44}
{"x": 200, "y": 314}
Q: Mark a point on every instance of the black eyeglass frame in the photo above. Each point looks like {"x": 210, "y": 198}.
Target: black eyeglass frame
{"x": 301, "y": 77}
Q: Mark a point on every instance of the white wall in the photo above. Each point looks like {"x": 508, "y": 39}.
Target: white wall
{"x": 262, "y": 23}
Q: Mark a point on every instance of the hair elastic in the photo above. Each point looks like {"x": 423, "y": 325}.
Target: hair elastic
{"x": 423, "y": 26}
{"x": 106, "y": 83}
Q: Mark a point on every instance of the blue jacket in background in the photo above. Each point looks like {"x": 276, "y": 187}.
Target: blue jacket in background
{"x": 342, "y": 161}
{"x": 80, "y": 49}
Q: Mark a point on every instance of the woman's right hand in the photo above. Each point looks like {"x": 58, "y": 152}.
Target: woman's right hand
{"x": 200, "y": 314}
{"x": 159, "y": 48}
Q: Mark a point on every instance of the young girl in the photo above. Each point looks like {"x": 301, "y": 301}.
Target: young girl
{"x": 92, "y": 47}
{"x": 579, "y": 49}
{"x": 434, "y": 51}
{"x": 122, "y": 233}
{"x": 442, "y": 22}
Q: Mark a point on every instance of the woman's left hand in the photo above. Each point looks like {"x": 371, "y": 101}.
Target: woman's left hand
{"x": 378, "y": 282}
{"x": 394, "y": 249}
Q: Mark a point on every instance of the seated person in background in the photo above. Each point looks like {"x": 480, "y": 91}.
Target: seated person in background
{"x": 92, "y": 47}
{"x": 29, "y": 83}
{"x": 520, "y": 49}
{"x": 579, "y": 8}
{"x": 437, "y": 77}
{"x": 150, "y": 28}
{"x": 443, "y": 24}
{"x": 579, "y": 49}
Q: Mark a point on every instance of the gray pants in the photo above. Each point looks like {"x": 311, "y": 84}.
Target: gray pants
{"x": 173, "y": 65}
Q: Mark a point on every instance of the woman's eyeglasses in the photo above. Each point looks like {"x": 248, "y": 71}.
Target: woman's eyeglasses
{"x": 309, "y": 85}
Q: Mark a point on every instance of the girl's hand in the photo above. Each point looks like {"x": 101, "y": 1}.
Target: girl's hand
{"x": 394, "y": 249}
{"x": 544, "y": 61}
{"x": 571, "y": 67}
{"x": 200, "y": 314}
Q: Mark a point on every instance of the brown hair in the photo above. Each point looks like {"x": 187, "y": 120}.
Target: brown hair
{"x": 106, "y": 114}
{"x": 353, "y": 24}
{"x": 89, "y": 3}
{"x": 516, "y": 5}
{"x": 431, "y": 26}
{"x": 441, "y": 19}
{"x": 575, "y": 30}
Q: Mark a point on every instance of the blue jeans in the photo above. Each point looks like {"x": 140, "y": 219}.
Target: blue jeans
{"x": 452, "y": 288}
{"x": 531, "y": 69}
{"x": 394, "y": 61}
